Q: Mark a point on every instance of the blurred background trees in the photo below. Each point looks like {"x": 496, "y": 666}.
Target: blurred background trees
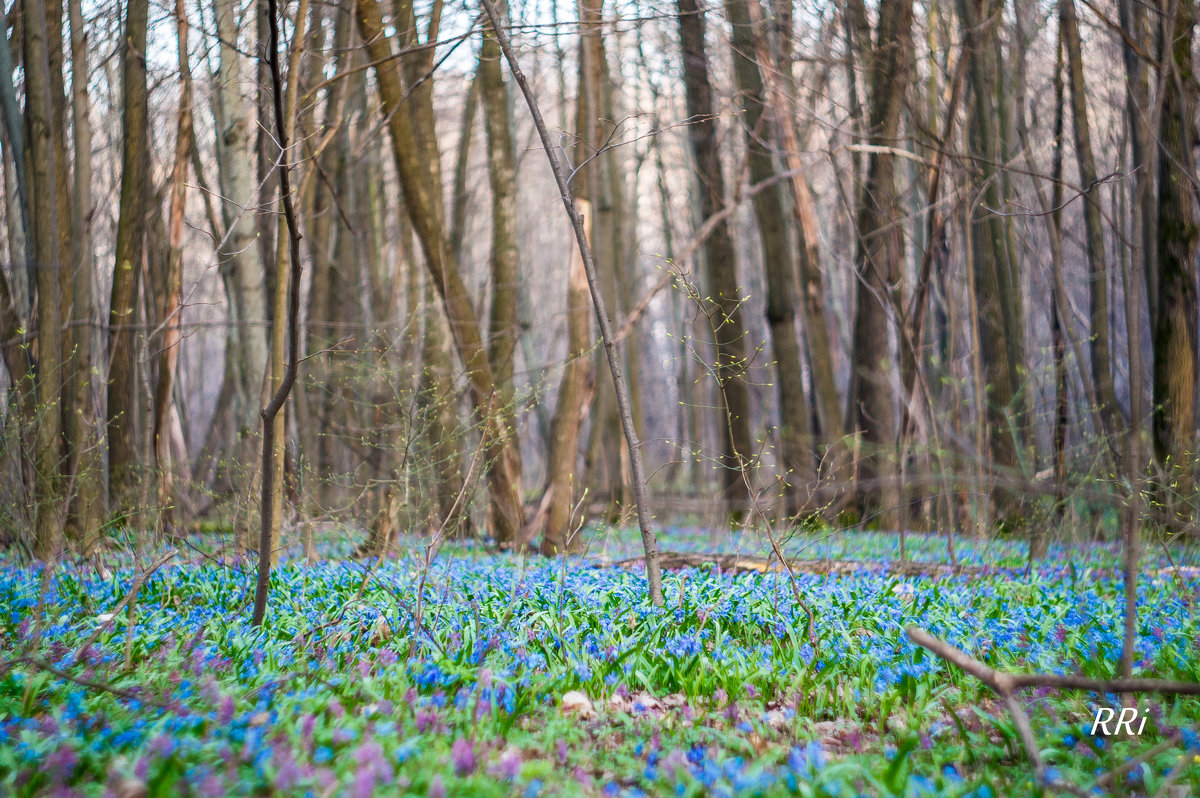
{"x": 921, "y": 265}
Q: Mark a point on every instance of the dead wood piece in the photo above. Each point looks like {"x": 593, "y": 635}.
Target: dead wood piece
{"x": 738, "y": 563}
{"x": 1006, "y": 684}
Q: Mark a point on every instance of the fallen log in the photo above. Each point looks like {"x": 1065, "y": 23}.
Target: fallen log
{"x": 740, "y": 563}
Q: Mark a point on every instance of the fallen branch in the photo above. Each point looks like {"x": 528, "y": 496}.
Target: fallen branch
{"x": 738, "y": 563}
{"x": 102, "y": 687}
{"x": 1006, "y": 684}
{"x": 129, "y": 596}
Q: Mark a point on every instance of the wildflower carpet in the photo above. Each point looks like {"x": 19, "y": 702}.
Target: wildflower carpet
{"x": 487, "y": 674}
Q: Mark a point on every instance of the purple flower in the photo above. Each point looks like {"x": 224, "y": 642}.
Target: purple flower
{"x": 509, "y": 765}
{"x": 162, "y": 746}
{"x": 436, "y": 788}
{"x": 61, "y": 763}
{"x": 287, "y": 772}
{"x": 674, "y": 764}
{"x": 325, "y": 779}
{"x": 364, "y": 783}
{"x": 225, "y": 714}
{"x": 426, "y": 718}
{"x": 462, "y": 754}
{"x": 370, "y": 757}
{"x": 306, "y": 729}
{"x": 211, "y": 787}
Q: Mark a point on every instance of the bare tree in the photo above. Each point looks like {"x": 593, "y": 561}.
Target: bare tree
{"x": 422, "y": 200}
{"x": 1109, "y": 412}
{"x": 130, "y": 249}
{"x": 84, "y": 433}
{"x": 44, "y": 206}
{"x": 1175, "y": 314}
{"x": 995, "y": 285}
{"x": 880, "y": 258}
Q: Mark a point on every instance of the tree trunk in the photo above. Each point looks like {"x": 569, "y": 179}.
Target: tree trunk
{"x": 561, "y": 534}
{"x": 130, "y": 249}
{"x": 1108, "y": 411}
{"x": 281, "y": 288}
{"x": 1175, "y": 317}
{"x": 596, "y": 181}
{"x": 266, "y": 150}
{"x": 15, "y": 152}
{"x": 828, "y": 413}
{"x": 44, "y": 205}
{"x": 239, "y": 257}
{"x": 325, "y": 227}
{"x": 880, "y": 263}
{"x": 505, "y": 257}
{"x": 563, "y": 479}
{"x": 422, "y": 199}
{"x": 770, "y": 209}
{"x": 84, "y": 437}
{"x": 173, "y": 282}
{"x": 1000, "y": 329}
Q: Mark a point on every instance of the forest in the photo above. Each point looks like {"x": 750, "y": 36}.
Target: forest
{"x": 520, "y": 397}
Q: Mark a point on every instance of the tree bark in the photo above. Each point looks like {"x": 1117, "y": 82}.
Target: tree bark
{"x": 48, "y": 452}
{"x": 625, "y": 412}
{"x": 326, "y": 227}
{"x": 422, "y": 199}
{"x": 173, "y": 281}
{"x": 1175, "y": 318}
{"x": 563, "y": 478}
{"x": 289, "y": 313}
{"x": 561, "y": 533}
{"x": 84, "y": 436}
{"x": 130, "y": 249}
{"x": 828, "y": 415}
{"x": 880, "y": 263}
{"x": 596, "y": 179}
{"x": 505, "y": 257}
{"x": 1109, "y": 410}
{"x": 15, "y": 152}
{"x": 281, "y": 364}
{"x": 997, "y": 293}
{"x": 770, "y": 211}
{"x": 239, "y": 257}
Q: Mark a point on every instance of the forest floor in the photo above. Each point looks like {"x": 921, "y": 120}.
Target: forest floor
{"x": 487, "y": 674}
